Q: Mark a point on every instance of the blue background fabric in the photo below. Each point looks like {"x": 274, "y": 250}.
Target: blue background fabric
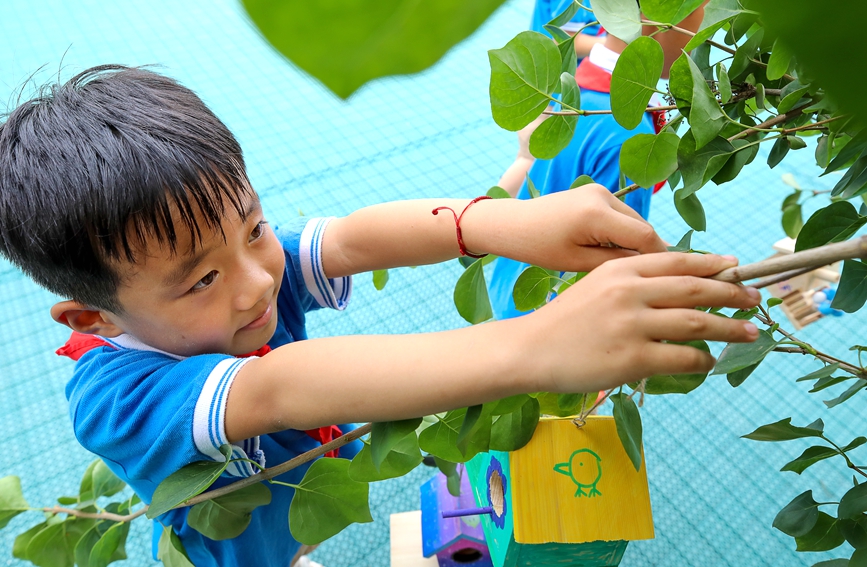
{"x": 714, "y": 495}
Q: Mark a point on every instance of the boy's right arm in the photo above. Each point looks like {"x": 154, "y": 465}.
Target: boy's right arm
{"x": 604, "y": 331}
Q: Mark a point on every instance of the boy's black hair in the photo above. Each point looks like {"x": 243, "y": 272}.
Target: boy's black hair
{"x": 92, "y": 168}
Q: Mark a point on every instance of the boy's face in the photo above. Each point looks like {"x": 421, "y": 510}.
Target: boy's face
{"x": 221, "y": 298}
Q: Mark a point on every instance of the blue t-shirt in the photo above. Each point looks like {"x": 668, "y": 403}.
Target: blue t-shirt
{"x": 546, "y": 10}
{"x": 148, "y": 413}
{"x": 594, "y": 151}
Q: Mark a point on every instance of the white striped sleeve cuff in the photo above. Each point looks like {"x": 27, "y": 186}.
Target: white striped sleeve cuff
{"x": 333, "y": 293}
{"x": 209, "y": 416}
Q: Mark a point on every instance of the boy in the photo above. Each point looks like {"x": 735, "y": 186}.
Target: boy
{"x": 595, "y": 147}
{"x": 123, "y": 193}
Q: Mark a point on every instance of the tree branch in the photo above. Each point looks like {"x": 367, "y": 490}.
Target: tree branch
{"x": 96, "y": 515}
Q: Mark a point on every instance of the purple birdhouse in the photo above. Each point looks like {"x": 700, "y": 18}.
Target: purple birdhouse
{"x": 455, "y": 541}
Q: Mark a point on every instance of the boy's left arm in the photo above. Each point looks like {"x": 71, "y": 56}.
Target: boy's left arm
{"x": 568, "y": 231}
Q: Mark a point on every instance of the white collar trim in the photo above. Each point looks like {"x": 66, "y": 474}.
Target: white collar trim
{"x": 132, "y": 343}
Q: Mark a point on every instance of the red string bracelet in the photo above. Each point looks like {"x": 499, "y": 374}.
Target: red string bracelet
{"x": 463, "y": 249}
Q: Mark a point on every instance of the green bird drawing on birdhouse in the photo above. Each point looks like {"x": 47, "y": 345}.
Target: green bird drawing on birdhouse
{"x": 584, "y": 467}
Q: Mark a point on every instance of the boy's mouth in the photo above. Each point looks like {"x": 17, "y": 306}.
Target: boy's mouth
{"x": 259, "y": 321}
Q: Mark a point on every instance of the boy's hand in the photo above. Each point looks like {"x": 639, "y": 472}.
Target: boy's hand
{"x": 574, "y": 230}
{"x": 608, "y": 328}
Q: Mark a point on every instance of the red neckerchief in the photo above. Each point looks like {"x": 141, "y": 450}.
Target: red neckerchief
{"x": 80, "y": 343}
{"x": 594, "y": 78}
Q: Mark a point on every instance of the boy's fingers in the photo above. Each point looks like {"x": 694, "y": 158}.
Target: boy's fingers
{"x": 664, "y": 358}
{"x": 691, "y": 291}
{"x": 680, "y": 264}
{"x": 691, "y": 324}
{"x": 628, "y": 232}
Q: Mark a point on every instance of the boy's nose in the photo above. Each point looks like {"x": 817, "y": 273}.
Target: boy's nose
{"x": 258, "y": 284}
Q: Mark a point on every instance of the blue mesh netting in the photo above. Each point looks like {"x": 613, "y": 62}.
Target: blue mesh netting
{"x": 714, "y": 495}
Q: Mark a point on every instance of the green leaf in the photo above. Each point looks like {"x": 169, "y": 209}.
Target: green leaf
{"x": 228, "y": 516}
{"x": 684, "y": 244}
{"x": 704, "y": 34}
{"x": 556, "y": 132}
{"x": 85, "y": 490}
{"x": 690, "y": 210}
{"x": 823, "y": 372}
{"x": 835, "y": 563}
{"x": 852, "y": 150}
{"x": 828, "y": 382}
{"x": 453, "y": 475}
{"x": 403, "y": 457}
{"x": 531, "y": 188}
{"x": 854, "y": 502}
{"x": 84, "y": 545}
{"x": 724, "y": 85}
{"x": 718, "y": 11}
{"x": 532, "y": 288}
{"x": 47, "y": 548}
{"x": 471, "y": 295}
{"x": 580, "y": 181}
{"x": 634, "y": 80}
{"x": 680, "y": 84}
{"x": 524, "y": 74}
{"x": 792, "y": 220}
{"x": 190, "y": 481}
{"x": 783, "y": 430}
{"x": 737, "y": 356}
{"x": 808, "y": 458}
{"x": 736, "y": 161}
{"x": 706, "y": 118}
{"x": 19, "y": 546}
{"x": 101, "y": 554}
{"x": 380, "y": 278}
{"x": 745, "y": 53}
{"x": 791, "y": 95}
{"x": 441, "y": 438}
{"x": 854, "y": 389}
{"x": 565, "y": 16}
{"x": 773, "y": 302}
{"x": 497, "y": 192}
{"x": 668, "y": 12}
{"x": 105, "y": 482}
{"x": 648, "y": 159}
{"x": 620, "y": 18}
{"x": 855, "y": 531}
{"x": 510, "y": 404}
{"x": 473, "y": 420}
{"x": 171, "y": 551}
{"x": 854, "y": 181}
{"x": 676, "y": 383}
{"x": 699, "y": 166}
{"x": 628, "y": 422}
{"x": 513, "y": 430}
{"x": 738, "y": 377}
{"x": 568, "y": 57}
{"x": 12, "y": 500}
{"x": 834, "y": 223}
{"x": 823, "y": 537}
{"x": 799, "y": 516}
{"x": 778, "y": 152}
{"x": 852, "y": 290}
{"x": 384, "y": 436}
{"x": 326, "y": 501}
{"x": 346, "y": 44}
{"x": 744, "y": 315}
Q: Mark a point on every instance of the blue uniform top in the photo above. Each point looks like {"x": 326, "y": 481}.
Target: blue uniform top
{"x": 148, "y": 413}
{"x": 546, "y": 10}
{"x": 594, "y": 151}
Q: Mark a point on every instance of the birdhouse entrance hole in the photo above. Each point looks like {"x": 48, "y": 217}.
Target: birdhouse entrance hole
{"x": 466, "y": 555}
{"x": 497, "y": 494}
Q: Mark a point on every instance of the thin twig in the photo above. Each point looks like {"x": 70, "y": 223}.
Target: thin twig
{"x": 96, "y": 515}
{"x": 601, "y": 112}
{"x": 770, "y": 122}
{"x": 814, "y": 258}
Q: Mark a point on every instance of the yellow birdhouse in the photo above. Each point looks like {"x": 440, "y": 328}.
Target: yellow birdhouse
{"x": 570, "y": 496}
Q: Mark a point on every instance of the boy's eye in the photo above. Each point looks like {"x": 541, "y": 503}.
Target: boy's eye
{"x": 205, "y": 281}
{"x": 258, "y": 230}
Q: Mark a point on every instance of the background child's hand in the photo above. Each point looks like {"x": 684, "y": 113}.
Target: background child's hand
{"x": 608, "y": 328}
{"x": 569, "y": 231}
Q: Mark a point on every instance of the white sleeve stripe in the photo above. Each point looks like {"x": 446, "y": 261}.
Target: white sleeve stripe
{"x": 327, "y": 293}
{"x": 208, "y": 427}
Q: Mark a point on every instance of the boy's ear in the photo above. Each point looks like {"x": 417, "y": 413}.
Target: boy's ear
{"x": 84, "y": 319}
